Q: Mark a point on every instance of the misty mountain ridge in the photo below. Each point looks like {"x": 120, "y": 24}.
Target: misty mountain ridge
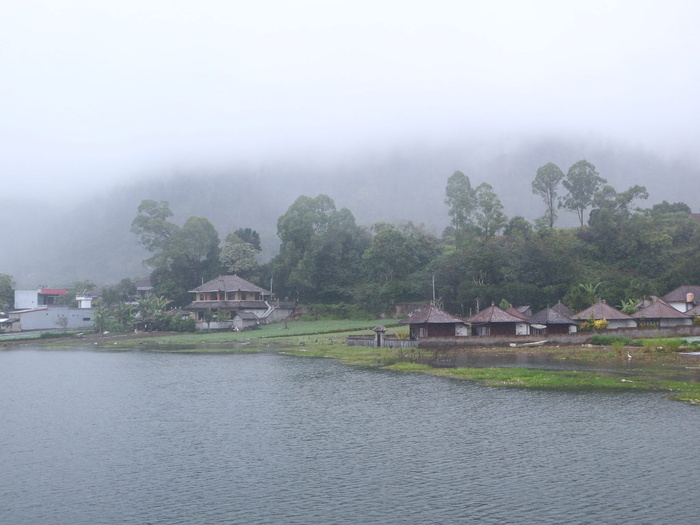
{"x": 58, "y": 243}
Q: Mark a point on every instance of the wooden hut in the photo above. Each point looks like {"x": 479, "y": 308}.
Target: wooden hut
{"x": 433, "y": 322}
{"x": 495, "y": 321}
{"x": 548, "y": 321}
{"x": 683, "y": 298}
{"x": 601, "y": 310}
{"x": 562, "y": 309}
{"x": 661, "y": 314}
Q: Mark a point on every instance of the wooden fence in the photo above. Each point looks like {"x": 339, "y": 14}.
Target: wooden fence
{"x": 388, "y": 341}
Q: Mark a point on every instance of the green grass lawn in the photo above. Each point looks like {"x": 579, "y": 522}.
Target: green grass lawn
{"x": 320, "y": 333}
{"x": 561, "y": 380}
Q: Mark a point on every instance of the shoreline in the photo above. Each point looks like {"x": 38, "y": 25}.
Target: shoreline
{"x": 649, "y": 371}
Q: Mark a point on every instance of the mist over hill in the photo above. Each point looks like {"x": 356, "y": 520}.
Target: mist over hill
{"x": 57, "y": 243}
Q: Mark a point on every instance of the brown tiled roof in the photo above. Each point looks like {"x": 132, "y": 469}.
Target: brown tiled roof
{"x": 548, "y": 316}
{"x": 600, "y": 310}
{"x": 516, "y": 313}
{"x": 694, "y": 311}
{"x": 646, "y": 302}
{"x": 493, "y": 314}
{"x": 562, "y": 309}
{"x": 226, "y": 305}
{"x": 659, "y": 310}
{"x": 229, "y": 283}
{"x": 680, "y": 293}
{"x": 431, "y": 314}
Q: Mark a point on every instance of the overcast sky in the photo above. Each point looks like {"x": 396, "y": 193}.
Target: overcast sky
{"x": 94, "y": 92}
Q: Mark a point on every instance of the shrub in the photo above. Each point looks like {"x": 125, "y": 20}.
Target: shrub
{"x": 663, "y": 344}
{"x": 610, "y": 340}
{"x": 51, "y": 335}
{"x": 600, "y": 324}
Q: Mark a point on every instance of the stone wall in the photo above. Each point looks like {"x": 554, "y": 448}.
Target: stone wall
{"x": 559, "y": 339}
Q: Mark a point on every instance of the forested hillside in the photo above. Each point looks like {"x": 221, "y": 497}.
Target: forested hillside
{"x": 622, "y": 250}
{"x": 57, "y": 243}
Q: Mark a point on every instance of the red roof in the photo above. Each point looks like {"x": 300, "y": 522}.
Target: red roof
{"x": 53, "y": 291}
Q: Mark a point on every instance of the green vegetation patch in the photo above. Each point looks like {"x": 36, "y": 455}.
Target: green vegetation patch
{"x": 560, "y": 380}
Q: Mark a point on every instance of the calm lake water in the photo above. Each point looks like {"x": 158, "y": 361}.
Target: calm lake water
{"x": 92, "y": 437}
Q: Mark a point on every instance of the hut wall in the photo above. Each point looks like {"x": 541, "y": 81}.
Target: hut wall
{"x": 441, "y": 330}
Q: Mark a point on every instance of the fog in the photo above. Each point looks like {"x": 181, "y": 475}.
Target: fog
{"x": 96, "y": 94}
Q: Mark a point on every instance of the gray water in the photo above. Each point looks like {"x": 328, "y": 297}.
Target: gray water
{"x": 149, "y": 438}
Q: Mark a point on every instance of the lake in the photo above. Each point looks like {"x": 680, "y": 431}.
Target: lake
{"x": 96, "y": 437}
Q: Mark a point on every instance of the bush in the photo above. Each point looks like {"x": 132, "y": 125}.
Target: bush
{"x": 609, "y": 340}
{"x": 175, "y": 323}
{"x": 51, "y": 335}
{"x": 600, "y": 324}
{"x": 663, "y": 344}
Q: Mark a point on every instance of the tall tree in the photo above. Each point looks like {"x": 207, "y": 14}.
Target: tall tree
{"x": 7, "y": 291}
{"x": 582, "y": 182}
{"x": 250, "y": 236}
{"x": 545, "y": 185}
{"x": 238, "y": 256}
{"x": 182, "y": 257}
{"x": 461, "y": 199}
{"x": 320, "y": 251}
{"x": 152, "y": 224}
{"x": 489, "y": 216}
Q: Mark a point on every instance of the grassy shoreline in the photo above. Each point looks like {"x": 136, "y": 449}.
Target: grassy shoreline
{"x": 326, "y": 339}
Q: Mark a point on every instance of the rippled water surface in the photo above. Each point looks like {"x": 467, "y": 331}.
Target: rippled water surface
{"x": 93, "y": 437}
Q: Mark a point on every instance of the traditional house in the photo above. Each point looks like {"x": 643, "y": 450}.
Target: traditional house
{"x": 683, "y": 298}
{"x": 525, "y": 310}
{"x": 694, "y": 312}
{"x": 661, "y": 314}
{"x": 512, "y": 310}
{"x": 601, "y": 310}
{"x": 226, "y": 296}
{"x": 144, "y": 288}
{"x": 433, "y": 322}
{"x": 548, "y": 321}
{"x": 562, "y": 309}
{"x": 494, "y": 321}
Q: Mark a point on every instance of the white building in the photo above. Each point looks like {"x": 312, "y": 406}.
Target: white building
{"x": 40, "y": 310}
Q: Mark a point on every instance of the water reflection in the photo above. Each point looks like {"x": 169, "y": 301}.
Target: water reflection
{"x": 141, "y": 437}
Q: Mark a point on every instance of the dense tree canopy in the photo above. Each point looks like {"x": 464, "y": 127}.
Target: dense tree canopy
{"x": 183, "y": 257}
{"x": 320, "y": 252}
{"x": 624, "y": 253}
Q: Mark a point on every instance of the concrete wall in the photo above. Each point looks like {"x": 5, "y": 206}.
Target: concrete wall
{"x": 26, "y": 299}
{"x": 559, "y": 339}
{"x": 47, "y": 318}
{"x": 279, "y": 314}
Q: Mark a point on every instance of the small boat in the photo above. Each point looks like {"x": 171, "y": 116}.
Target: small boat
{"x": 536, "y": 343}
